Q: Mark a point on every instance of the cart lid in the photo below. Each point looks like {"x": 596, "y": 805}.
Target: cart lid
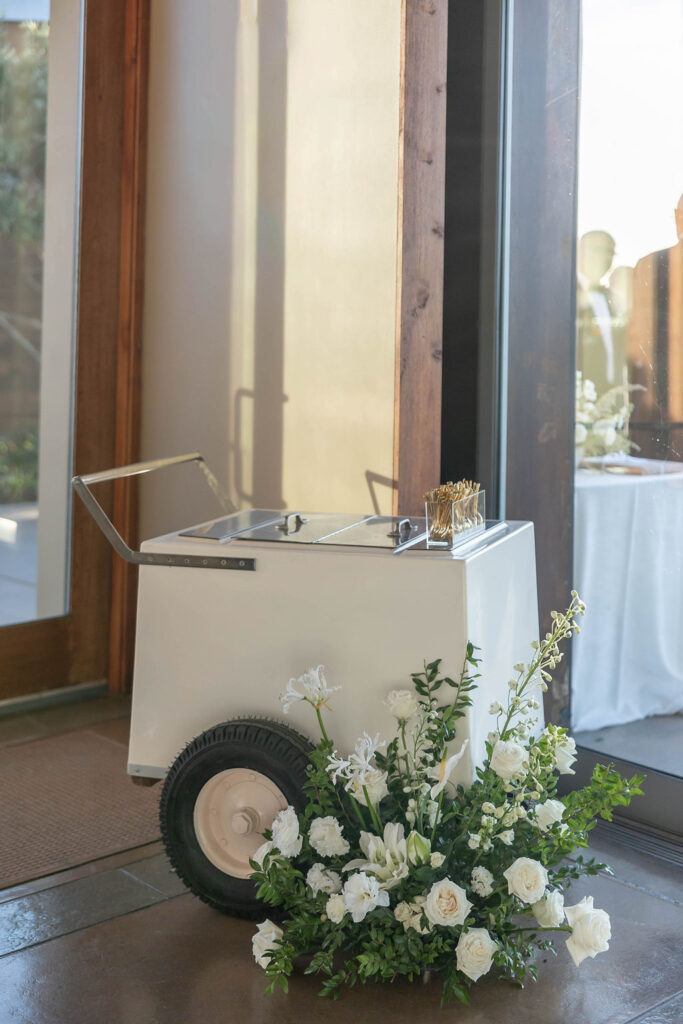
{"x": 374, "y": 531}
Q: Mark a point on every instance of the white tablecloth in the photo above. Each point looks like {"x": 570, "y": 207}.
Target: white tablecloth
{"x": 628, "y": 568}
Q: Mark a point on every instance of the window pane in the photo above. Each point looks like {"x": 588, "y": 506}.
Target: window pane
{"x": 627, "y": 694}
{"x": 39, "y": 72}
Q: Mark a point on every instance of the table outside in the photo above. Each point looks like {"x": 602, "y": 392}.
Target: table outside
{"x": 628, "y": 568}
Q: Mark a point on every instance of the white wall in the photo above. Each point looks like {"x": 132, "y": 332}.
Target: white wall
{"x": 269, "y": 322}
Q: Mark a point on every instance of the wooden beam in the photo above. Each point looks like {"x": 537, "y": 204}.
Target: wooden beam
{"x": 129, "y": 354}
{"x": 422, "y": 140}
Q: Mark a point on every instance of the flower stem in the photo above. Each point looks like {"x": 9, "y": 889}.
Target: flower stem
{"x": 373, "y": 813}
{"x": 322, "y": 727}
{"x": 437, "y": 817}
{"x": 359, "y": 813}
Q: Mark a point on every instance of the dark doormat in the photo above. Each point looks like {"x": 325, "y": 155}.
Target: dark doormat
{"x": 66, "y": 800}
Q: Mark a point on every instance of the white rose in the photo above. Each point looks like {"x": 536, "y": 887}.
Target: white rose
{"x": 264, "y": 942}
{"x": 474, "y": 952}
{"x": 548, "y": 813}
{"x": 509, "y": 760}
{"x": 591, "y": 930}
{"x": 447, "y": 903}
{"x": 260, "y": 854}
{"x": 436, "y": 860}
{"x": 322, "y": 880}
{"x": 580, "y": 433}
{"x": 565, "y": 755}
{"x": 402, "y": 704}
{"x": 326, "y": 837}
{"x": 285, "y": 830}
{"x": 482, "y": 881}
{"x": 375, "y": 781}
{"x": 549, "y": 912}
{"x": 362, "y": 894}
{"x": 335, "y": 909}
{"x": 526, "y": 879}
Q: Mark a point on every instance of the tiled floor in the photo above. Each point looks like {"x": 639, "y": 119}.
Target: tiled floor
{"x": 121, "y": 942}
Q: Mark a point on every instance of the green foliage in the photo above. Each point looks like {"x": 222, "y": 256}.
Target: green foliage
{"x": 23, "y": 110}
{"x": 19, "y": 467}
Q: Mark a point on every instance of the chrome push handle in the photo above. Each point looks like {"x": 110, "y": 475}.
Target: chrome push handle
{"x": 81, "y": 485}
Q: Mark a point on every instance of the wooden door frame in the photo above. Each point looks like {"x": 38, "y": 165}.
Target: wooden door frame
{"x": 74, "y": 648}
{"x": 419, "y": 318}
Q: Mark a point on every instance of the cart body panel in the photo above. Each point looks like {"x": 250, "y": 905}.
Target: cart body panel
{"x": 214, "y": 645}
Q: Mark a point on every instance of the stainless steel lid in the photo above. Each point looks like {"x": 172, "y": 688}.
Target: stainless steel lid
{"x": 391, "y": 532}
{"x": 230, "y": 526}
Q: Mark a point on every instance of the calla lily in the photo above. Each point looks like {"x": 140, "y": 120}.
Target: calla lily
{"x": 444, "y": 770}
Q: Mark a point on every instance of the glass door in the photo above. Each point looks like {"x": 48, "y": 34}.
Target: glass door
{"x": 72, "y": 121}
{"x": 627, "y": 678}
{"x": 578, "y": 378}
{"x": 39, "y": 142}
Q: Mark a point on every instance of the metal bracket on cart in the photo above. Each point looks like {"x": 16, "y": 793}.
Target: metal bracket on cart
{"x": 82, "y": 484}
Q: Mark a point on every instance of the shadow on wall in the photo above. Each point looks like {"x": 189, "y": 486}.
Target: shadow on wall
{"x": 261, "y": 429}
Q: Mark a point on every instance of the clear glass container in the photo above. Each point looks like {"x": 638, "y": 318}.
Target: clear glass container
{"x": 450, "y": 523}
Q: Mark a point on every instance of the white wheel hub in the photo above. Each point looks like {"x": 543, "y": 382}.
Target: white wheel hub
{"x": 230, "y": 815}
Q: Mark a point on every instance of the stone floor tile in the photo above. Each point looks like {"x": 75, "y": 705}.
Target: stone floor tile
{"x": 157, "y": 872}
{"x": 93, "y": 867}
{"x": 179, "y": 963}
{"x": 67, "y": 908}
{"x": 670, "y": 1012}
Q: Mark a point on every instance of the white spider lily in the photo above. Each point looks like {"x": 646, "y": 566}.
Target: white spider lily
{"x": 355, "y": 769}
{"x": 311, "y": 687}
{"x": 443, "y": 771}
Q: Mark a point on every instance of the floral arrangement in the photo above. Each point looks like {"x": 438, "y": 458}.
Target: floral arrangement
{"x": 601, "y": 423}
{"x": 391, "y": 870}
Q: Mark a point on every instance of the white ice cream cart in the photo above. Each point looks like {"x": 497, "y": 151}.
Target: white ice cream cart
{"x": 229, "y": 610}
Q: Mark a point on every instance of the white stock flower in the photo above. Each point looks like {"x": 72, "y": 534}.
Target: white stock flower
{"x": 362, "y": 894}
{"x": 321, "y": 879}
{"x": 526, "y": 879}
{"x": 447, "y": 903}
{"x": 410, "y": 915}
{"x": 264, "y": 941}
{"x": 474, "y": 952}
{"x": 565, "y": 755}
{"x": 335, "y": 908}
{"x": 507, "y": 837}
{"x": 509, "y": 760}
{"x": 549, "y": 911}
{"x": 326, "y": 837}
{"x": 443, "y": 771}
{"x": 548, "y": 813}
{"x": 474, "y": 841}
{"x": 311, "y": 686}
{"x": 591, "y": 930}
{"x": 386, "y": 858}
{"x": 482, "y": 881}
{"x": 402, "y": 704}
{"x": 285, "y": 831}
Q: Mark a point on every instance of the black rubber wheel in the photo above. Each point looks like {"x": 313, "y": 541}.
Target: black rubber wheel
{"x": 278, "y": 757}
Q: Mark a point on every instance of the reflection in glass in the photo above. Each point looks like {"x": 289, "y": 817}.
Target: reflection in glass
{"x": 627, "y": 685}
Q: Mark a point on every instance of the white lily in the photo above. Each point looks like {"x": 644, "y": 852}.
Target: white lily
{"x": 386, "y": 858}
{"x": 443, "y": 771}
